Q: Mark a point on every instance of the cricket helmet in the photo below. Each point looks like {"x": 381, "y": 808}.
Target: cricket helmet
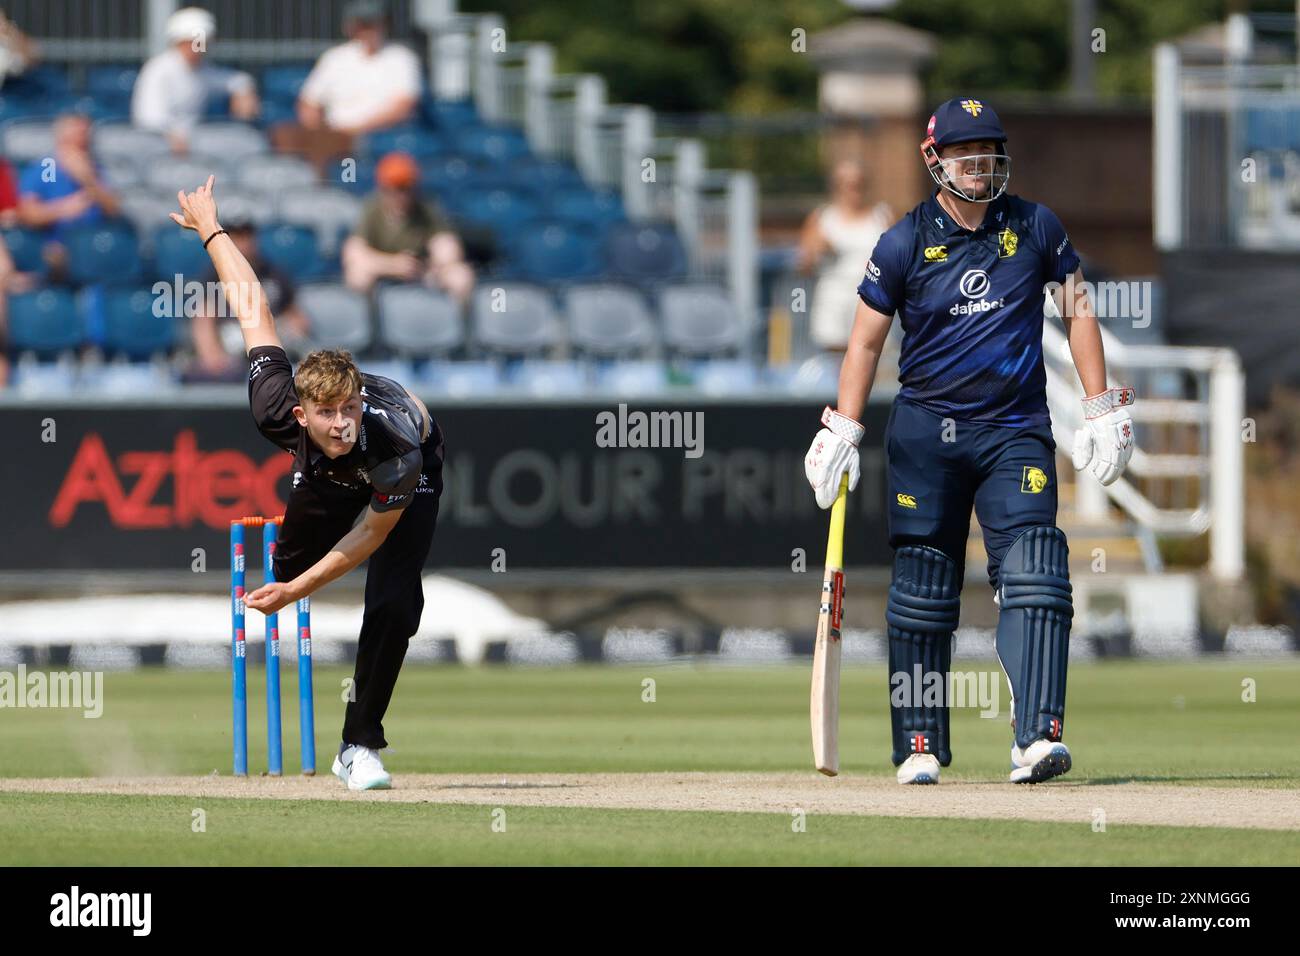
{"x": 964, "y": 119}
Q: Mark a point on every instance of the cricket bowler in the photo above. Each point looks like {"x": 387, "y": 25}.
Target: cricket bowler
{"x": 367, "y": 477}
{"x": 966, "y": 271}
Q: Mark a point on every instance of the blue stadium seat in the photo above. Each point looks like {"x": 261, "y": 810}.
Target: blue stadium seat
{"x": 449, "y": 115}
{"x": 416, "y": 140}
{"x": 544, "y": 173}
{"x": 179, "y": 251}
{"x": 233, "y": 142}
{"x": 500, "y": 209}
{"x": 112, "y": 81}
{"x": 44, "y": 322}
{"x": 330, "y": 212}
{"x": 547, "y": 251}
{"x": 726, "y": 377}
{"x": 13, "y": 107}
{"x": 293, "y": 249}
{"x": 107, "y": 252}
{"x": 361, "y": 172}
{"x": 283, "y": 82}
{"x": 645, "y": 252}
{"x": 131, "y": 329}
{"x": 546, "y": 379}
{"x": 497, "y": 145}
{"x": 25, "y": 247}
{"x": 28, "y": 139}
{"x": 276, "y": 111}
{"x": 639, "y": 377}
{"x": 449, "y": 173}
{"x": 579, "y": 204}
{"x": 461, "y": 379}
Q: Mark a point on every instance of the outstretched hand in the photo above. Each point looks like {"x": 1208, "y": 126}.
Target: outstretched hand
{"x": 198, "y": 210}
{"x": 270, "y": 598}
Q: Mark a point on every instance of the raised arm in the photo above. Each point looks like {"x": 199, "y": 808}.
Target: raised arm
{"x": 243, "y": 291}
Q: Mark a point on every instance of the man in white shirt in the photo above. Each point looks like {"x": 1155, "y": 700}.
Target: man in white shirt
{"x": 171, "y": 94}
{"x": 365, "y": 84}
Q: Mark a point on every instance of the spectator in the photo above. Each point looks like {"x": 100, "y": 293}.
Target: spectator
{"x": 54, "y": 197}
{"x": 358, "y": 87}
{"x": 8, "y": 195}
{"x": 365, "y": 84}
{"x": 218, "y": 343}
{"x": 837, "y": 240}
{"x": 11, "y": 280}
{"x": 172, "y": 91}
{"x": 18, "y": 52}
{"x": 402, "y": 237}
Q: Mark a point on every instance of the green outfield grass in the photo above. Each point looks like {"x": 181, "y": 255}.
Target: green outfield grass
{"x": 1176, "y": 723}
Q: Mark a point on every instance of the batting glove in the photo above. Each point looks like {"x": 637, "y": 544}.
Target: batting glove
{"x": 834, "y": 451}
{"x": 1105, "y": 442}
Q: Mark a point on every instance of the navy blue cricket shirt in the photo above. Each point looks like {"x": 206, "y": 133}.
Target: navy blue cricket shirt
{"x": 971, "y": 307}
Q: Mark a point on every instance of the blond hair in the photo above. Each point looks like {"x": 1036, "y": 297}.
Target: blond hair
{"x": 327, "y": 374}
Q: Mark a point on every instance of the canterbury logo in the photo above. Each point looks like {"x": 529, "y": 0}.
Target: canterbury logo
{"x": 907, "y": 501}
{"x": 936, "y": 253}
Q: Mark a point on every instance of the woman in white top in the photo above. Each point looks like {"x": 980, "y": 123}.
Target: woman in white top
{"x": 837, "y": 241}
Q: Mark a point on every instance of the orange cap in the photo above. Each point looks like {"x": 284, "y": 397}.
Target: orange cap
{"x": 397, "y": 171}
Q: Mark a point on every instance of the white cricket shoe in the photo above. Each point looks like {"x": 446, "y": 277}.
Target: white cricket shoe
{"x": 1041, "y": 760}
{"x": 361, "y": 769}
{"x": 919, "y": 768}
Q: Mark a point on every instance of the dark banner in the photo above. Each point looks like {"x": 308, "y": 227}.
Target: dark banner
{"x": 533, "y": 486}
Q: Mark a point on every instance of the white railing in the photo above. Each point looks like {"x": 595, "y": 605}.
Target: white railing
{"x": 1213, "y": 476}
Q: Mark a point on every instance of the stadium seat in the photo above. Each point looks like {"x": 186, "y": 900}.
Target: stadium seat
{"x": 545, "y": 379}
{"x": 546, "y": 174}
{"x": 111, "y": 81}
{"x": 243, "y": 203}
{"x": 417, "y": 322}
{"x": 726, "y": 377}
{"x": 34, "y": 378}
{"x": 329, "y": 211}
{"x": 146, "y": 210}
{"x": 497, "y": 145}
{"x": 106, "y": 252}
{"x": 645, "y": 252}
{"x": 233, "y": 142}
{"x": 609, "y": 320}
{"x": 700, "y": 320}
{"x": 44, "y": 322}
{"x": 356, "y": 175}
{"x": 445, "y": 175}
{"x": 122, "y": 173}
{"x": 526, "y": 324}
{"x": 461, "y": 379}
{"x": 419, "y": 142}
{"x": 28, "y": 140}
{"x": 190, "y": 172}
{"x": 13, "y": 107}
{"x": 123, "y": 139}
{"x": 179, "y": 252}
{"x": 284, "y": 82}
{"x": 339, "y": 317}
{"x": 272, "y": 174}
{"x": 105, "y": 109}
{"x": 131, "y": 328}
{"x": 501, "y": 209}
{"x": 449, "y": 115}
{"x": 543, "y": 251}
{"x": 632, "y": 378}
{"x": 39, "y": 82}
{"x": 291, "y": 248}
{"x": 276, "y": 111}
{"x": 25, "y": 248}
{"x": 582, "y": 205}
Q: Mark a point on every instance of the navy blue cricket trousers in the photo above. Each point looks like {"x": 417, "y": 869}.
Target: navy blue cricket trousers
{"x": 939, "y": 468}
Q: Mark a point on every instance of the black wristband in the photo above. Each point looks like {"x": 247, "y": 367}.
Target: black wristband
{"x": 219, "y": 232}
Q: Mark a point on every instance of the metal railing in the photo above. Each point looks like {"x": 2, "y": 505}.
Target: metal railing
{"x": 1187, "y": 474}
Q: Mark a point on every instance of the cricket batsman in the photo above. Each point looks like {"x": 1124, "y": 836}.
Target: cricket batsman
{"x": 966, "y": 271}
{"x": 367, "y": 477}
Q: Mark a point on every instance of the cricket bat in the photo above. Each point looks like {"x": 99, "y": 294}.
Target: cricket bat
{"x": 825, "y": 707}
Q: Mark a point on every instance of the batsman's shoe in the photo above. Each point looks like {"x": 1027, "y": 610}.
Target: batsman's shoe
{"x": 1041, "y": 760}
{"x": 361, "y": 769}
{"x": 919, "y": 768}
